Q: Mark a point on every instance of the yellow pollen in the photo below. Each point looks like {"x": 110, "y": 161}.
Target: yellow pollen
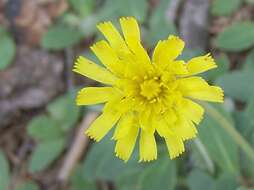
{"x": 150, "y": 89}
{"x": 135, "y": 78}
{"x": 153, "y": 100}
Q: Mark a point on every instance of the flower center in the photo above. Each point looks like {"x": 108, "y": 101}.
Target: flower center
{"x": 150, "y": 89}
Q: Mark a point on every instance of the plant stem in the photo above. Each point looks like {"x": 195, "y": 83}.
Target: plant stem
{"x": 205, "y": 155}
{"x": 238, "y": 138}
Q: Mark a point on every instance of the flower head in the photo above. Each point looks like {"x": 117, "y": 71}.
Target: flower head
{"x": 142, "y": 95}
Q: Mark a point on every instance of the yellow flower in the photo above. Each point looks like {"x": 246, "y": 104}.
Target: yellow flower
{"x": 143, "y": 95}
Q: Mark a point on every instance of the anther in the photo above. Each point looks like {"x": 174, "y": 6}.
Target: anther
{"x": 134, "y": 78}
{"x": 153, "y": 100}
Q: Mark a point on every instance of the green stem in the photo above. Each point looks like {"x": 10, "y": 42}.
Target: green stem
{"x": 205, "y": 155}
{"x": 230, "y": 129}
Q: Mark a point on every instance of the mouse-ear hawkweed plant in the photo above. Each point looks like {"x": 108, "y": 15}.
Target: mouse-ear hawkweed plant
{"x": 142, "y": 95}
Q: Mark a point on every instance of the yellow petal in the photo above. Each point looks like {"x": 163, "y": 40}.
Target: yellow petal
{"x": 118, "y": 105}
{"x": 131, "y": 33}
{"x": 112, "y": 35}
{"x": 109, "y": 117}
{"x": 175, "y": 146}
{"x": 94, "y": 95}
{"x": 158, "y": 51}
{"x": 91, "y": 70}
{"x": 130, "y": 30}
{"x": 107, "y": 56}
{"x": 192, "y": 83}
{"x": 198, "y": 88}
{"x": 101, "y": 126}
{"x": 162, "y": 128}
{"x": 191, "y": 110}
{"x": 184, "y": 128}
{"x": 124, "y": 125}
{"x": 212, "y": 94}
{"x": 147, "y": 147}
{"x": 167, "y": 50}
{"x": 178, "y": 68}
{"x": 170, "y": 116}
{"x": 200, "y": 64}
{"x": 145, "y": 118}
{"x": 124, "y": 146}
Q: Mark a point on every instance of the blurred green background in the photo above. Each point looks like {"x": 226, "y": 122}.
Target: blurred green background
{"x": 42, "y": 146}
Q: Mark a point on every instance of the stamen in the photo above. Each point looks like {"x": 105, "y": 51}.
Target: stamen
{"x": 150, "y": 89}
{"x": 135, "y": 78}
{"x": 152, "y": 101}
{"x": 141, "y": 103}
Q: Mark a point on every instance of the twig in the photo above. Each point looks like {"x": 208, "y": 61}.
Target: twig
{"x": 194, "y": 22}
{"x": 17, "y": 167}
{"x": 77, "y": 148}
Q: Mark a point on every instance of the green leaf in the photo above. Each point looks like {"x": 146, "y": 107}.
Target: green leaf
{"x": 249, "y": 112}
{"x": 101, "y": 163}
{"x": 237, "y": 84}
{"x": 59, "y": 37}
{"x": 82, "y": 7}
{"x": 44, "y": 128}
{"x": 160, "y": 175}
{"x": 243, "y": 123}
{"x": 247, "y": 165}
{"x": 220, "y": 146}
{"x": 226, "y": 181}
{"x": 4, "y": 171}
{"x": 230, "y": 129}
{"x": 129, "y": 179}
{"x": 113, "y": 9}
{"x": 7, "y": 50}
{"x": 237, "y": 37}
{"x": 249, "y": 61}
{"x": 133, "y": 176}
{"x": 78, "y": 182}
{"x": 198, "y": 180}
{"x": 64, "y": 110}
{"x": 107, "y": 11}
{"x": 244, "y": 188}
{"x": 225, "y": 7}
{"x": 137, "y": 9}
{"x": 159, "y": 27}
{"x": 28, "y": 186}
{"x": 45, "y": 153}
{"x": 2, "y": 31}
{"x": 88, "y": 25}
